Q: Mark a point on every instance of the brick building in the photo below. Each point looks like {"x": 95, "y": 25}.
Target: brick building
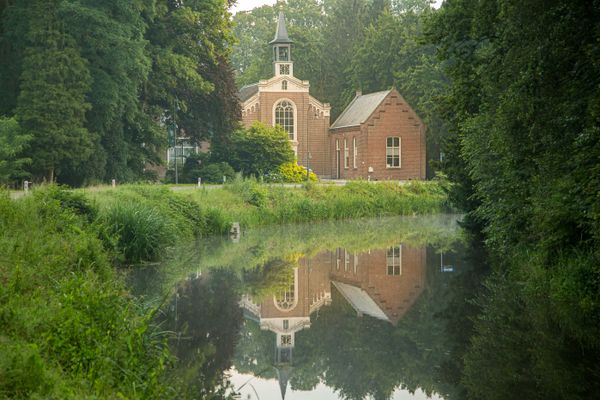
{"x": 378, "y": 136}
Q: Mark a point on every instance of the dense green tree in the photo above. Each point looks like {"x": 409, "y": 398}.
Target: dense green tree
{"x": 260, "y": 149}
{"x": 405, "y": 61}
{"x": 52, "y": 104}
{"x": 524, "y": 145}
{"x": 118, "y": 66}
{"x": 12, "y": 143}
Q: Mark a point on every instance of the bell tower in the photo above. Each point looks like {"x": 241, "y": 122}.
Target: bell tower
{"x": 282, "y": 46}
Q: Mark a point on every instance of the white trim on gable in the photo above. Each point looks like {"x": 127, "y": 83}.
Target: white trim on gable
{"x": 294, "y": 85}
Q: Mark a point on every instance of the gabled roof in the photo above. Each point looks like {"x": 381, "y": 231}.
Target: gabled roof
{"x": 281, "y": 35}
{"x": 248, "y": 91}
{"x": 360, "y": 109}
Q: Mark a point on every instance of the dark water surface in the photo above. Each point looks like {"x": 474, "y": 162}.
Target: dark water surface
{"x": 365, "y": 309}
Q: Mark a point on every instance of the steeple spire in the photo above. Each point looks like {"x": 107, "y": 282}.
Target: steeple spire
{"x": 282, "y": 49}
{"x": 281, "y": 35}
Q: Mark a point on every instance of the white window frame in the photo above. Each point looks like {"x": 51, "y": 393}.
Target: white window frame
{"x": 390, "y": 151}
{"x": 284, "y": 85}
{"x": 346, "y": 154}
{"x": 354, "y": 152}
{"x": 393, "y": 261}
{"x": 292, "y": 136}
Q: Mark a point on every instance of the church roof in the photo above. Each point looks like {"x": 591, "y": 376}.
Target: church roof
{"x": 248, "y": 91}
{"x": 281, "y": 35}
{"x": 360, "y": 109}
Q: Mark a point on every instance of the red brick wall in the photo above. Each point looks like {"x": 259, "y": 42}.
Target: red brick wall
{"x": 394, "y": 117}
{"x": 311, "y": 128}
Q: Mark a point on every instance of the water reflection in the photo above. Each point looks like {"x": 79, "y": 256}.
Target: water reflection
{"x": 332, "y": 291}
{"x": 347, "y": 311}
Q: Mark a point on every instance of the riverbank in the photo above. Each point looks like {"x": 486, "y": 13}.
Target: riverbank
{"x": 69, "y": 327}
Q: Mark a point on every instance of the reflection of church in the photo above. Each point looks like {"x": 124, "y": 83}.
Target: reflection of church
{"x": 382, "y": 283}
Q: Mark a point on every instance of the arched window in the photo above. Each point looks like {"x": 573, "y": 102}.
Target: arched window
{"x": 283, "y": 85}
{"x": 286, "y": 299}
{"x": 284, "y": 116}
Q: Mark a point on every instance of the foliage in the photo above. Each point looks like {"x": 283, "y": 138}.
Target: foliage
{"x": 259, "y": 149}
{"x": 292, "y": 173}
{"x": 68, "y": 328}
{"x": 96, "y": 82}
{"x": 201, "y": 166}
{"x": 523, "y": 156}
{"x": 143, "y": 231}
{"x": 12, "y": 144}
{"x": 51, "y": 103}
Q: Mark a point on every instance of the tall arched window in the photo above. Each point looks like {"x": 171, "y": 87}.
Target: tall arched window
{"x": 284, "y": 116}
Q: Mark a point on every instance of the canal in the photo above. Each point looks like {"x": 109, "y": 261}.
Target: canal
{"x": 345, "y": 310}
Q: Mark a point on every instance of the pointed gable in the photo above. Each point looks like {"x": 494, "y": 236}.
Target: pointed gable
{"x": 360, "y": 109}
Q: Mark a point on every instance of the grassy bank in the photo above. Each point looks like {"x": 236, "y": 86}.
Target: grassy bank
{"x": 69, "y": 328}
{"x": 148, "y": 219}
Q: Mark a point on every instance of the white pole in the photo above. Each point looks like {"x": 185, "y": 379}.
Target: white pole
{"x": 199, "y": 182}
{"x": 113, "y": 183}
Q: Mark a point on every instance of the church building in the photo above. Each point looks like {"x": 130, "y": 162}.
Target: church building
{"x": 378, "y": 136}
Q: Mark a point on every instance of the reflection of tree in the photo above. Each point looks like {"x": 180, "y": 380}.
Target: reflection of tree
{"x": 206, "y": 318}
{"x": 274, "y": 276}
{"x": 255, "y": 352}
{"x": 361, "y": 357}
{"x": 519, "y": 348}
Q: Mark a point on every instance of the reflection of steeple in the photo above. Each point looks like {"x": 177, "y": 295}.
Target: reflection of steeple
{"x": 283, "y": 376}
{"x": 382, "y": 284}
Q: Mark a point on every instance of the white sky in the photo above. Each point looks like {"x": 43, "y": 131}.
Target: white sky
{"x": 244, "y": 5}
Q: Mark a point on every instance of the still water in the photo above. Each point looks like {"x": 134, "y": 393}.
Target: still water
{"x": 354, "y": 310}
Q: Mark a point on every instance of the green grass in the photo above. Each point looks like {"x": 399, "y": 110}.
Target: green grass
{"x": 68, "y": 328}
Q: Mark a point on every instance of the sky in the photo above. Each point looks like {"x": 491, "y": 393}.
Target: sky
{"x": 244, "y": 5}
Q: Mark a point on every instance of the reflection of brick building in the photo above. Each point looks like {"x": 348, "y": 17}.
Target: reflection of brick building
{"x": 381, "y": 283}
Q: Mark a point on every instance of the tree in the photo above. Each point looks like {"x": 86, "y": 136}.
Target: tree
{"x": 394, "y": 53}
{"x": 52, "y": 100}
{"x": 260, "y": 149}
{"x": 12, "y": 143}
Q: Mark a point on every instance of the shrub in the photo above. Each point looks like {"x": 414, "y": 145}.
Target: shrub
{"x": 214, "y": 173}
{"x": 143, "y": 231}
{"x": 250, "y": 190}
{"x": 293, "y": 173}
{"x": 260, "y": 149}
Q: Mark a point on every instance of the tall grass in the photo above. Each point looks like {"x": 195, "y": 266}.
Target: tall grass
{"x": 67, "y": 328}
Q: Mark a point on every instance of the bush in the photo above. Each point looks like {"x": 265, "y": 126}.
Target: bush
{"x": 214, "y": 173}
{"x": 292, "y": 173}
{"x": 250, "y": 191}
{"x": 69, "y": 328}
{"x": 260, "y": 149}
{"x": 143, "y": 232}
